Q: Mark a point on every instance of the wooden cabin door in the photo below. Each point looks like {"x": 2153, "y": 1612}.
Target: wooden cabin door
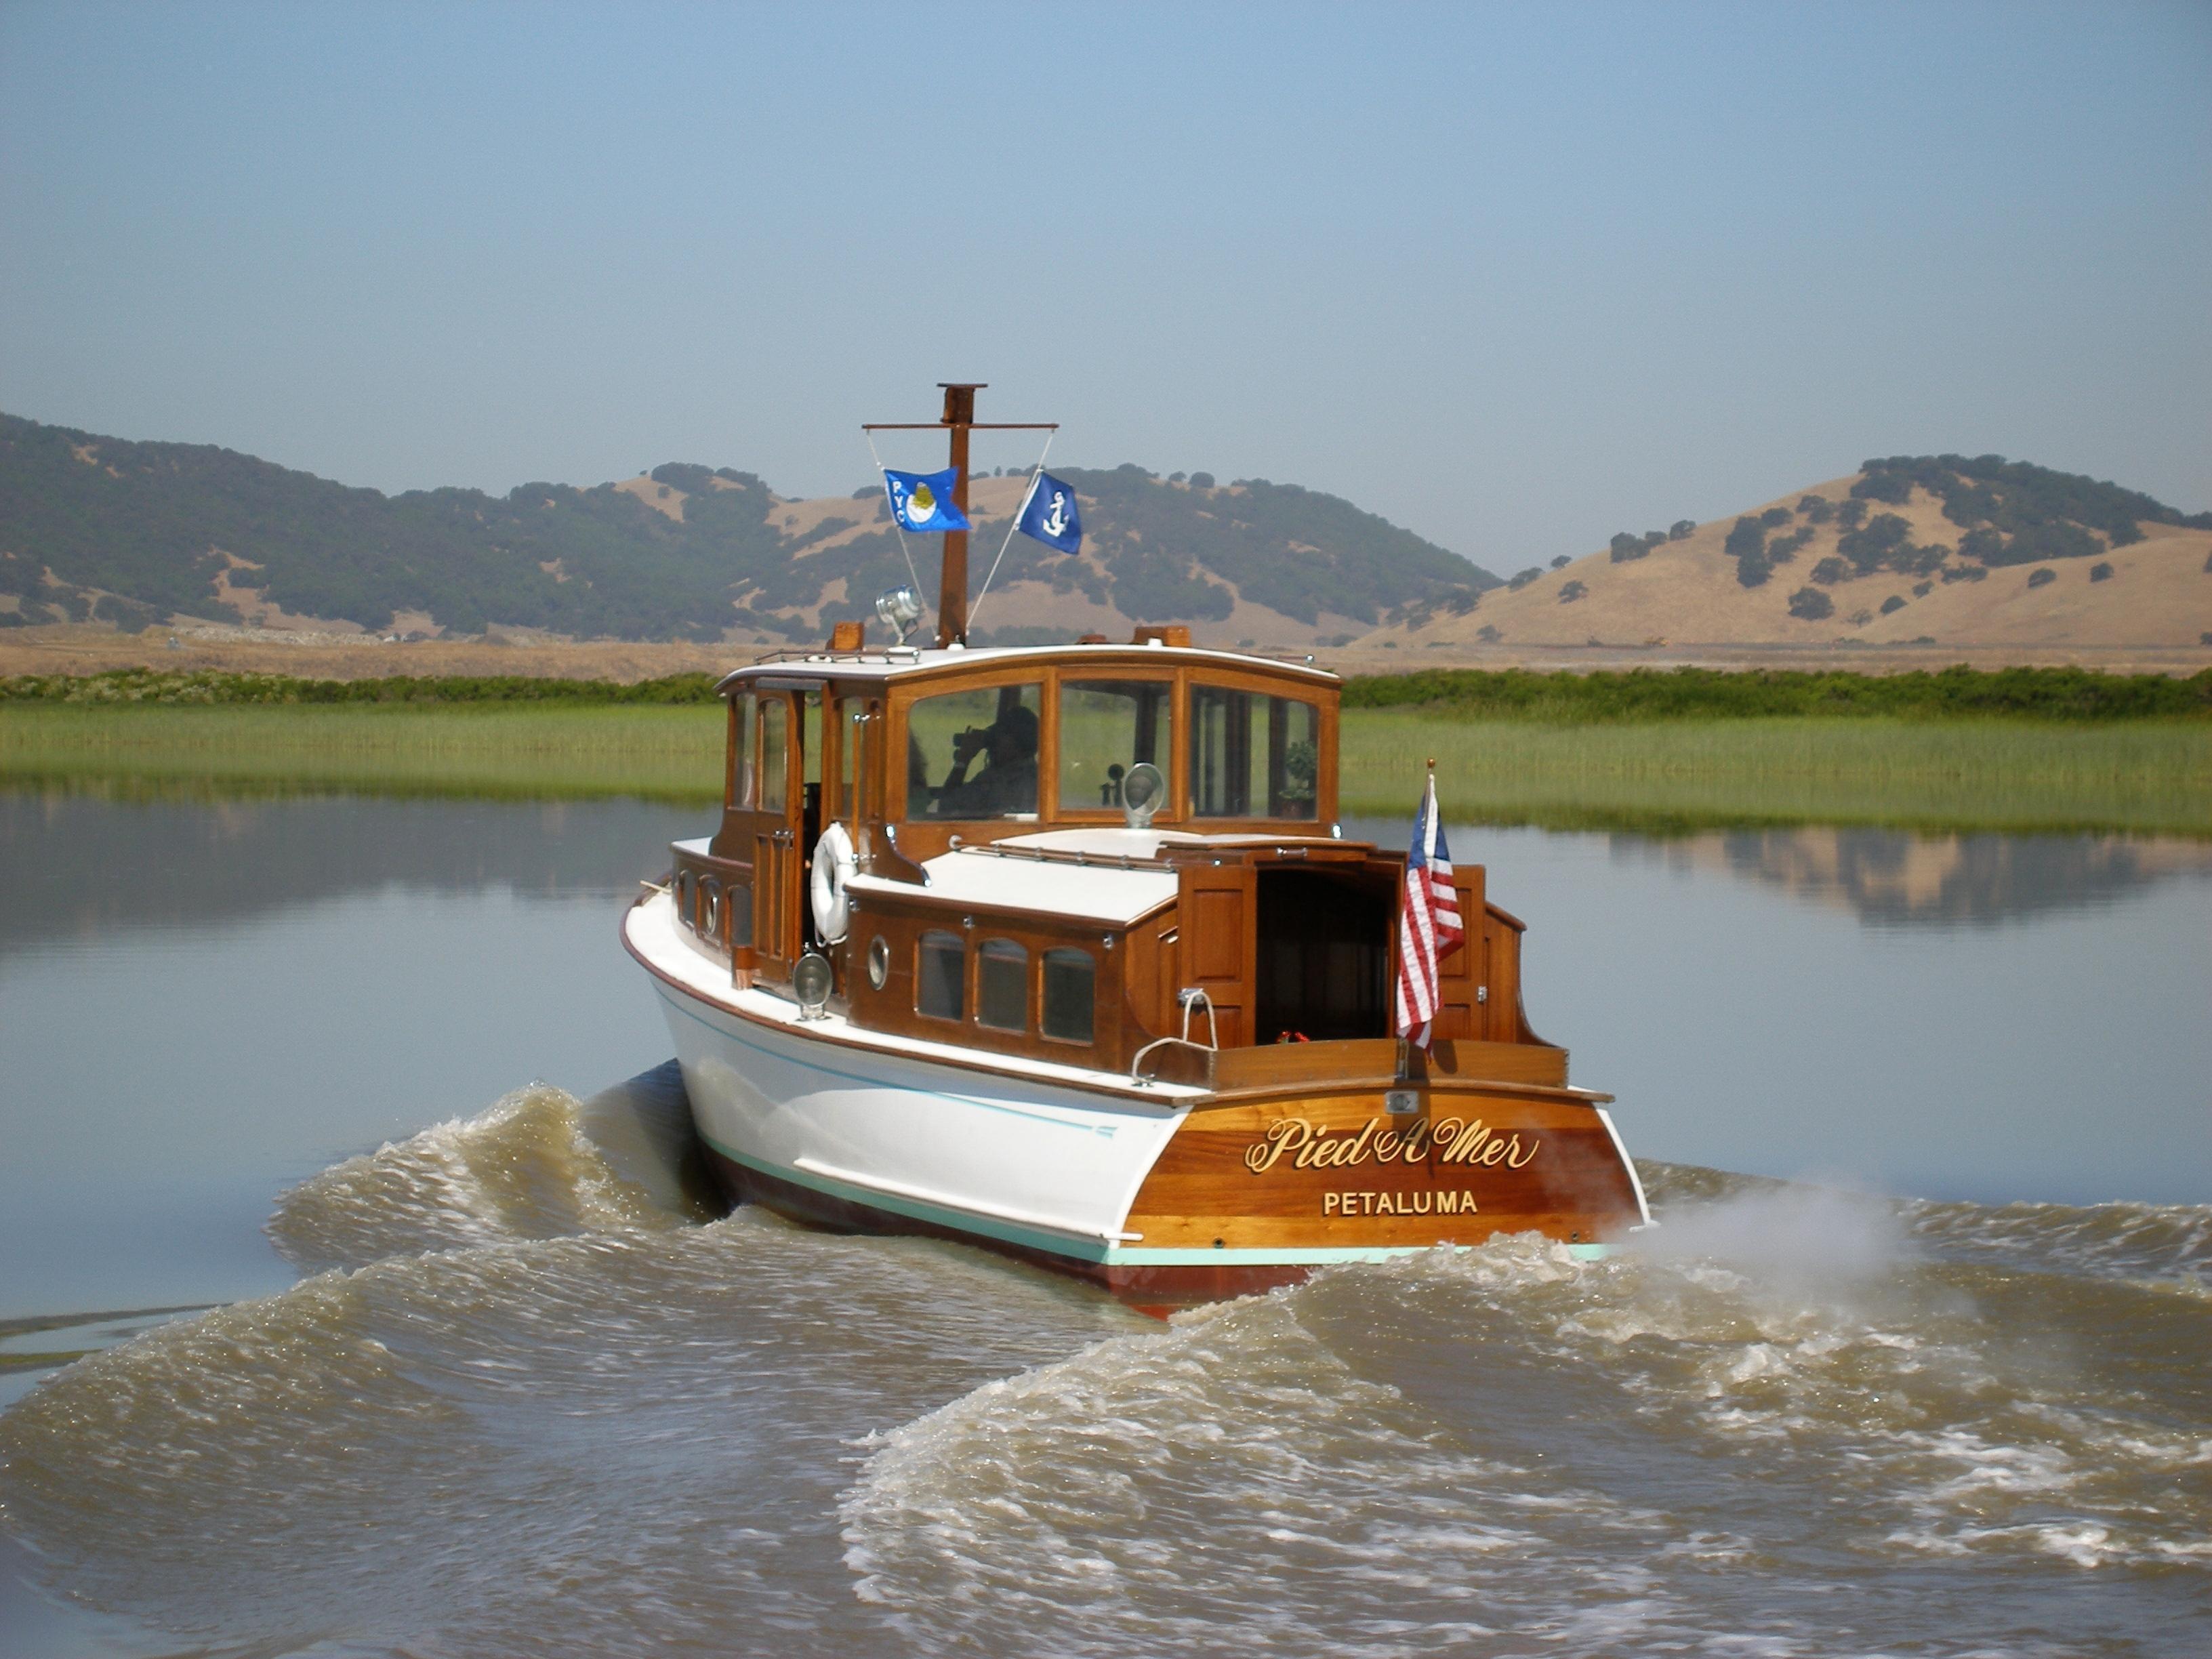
{"x": 1216, "y": 912}
{"x": 773, "y": 827}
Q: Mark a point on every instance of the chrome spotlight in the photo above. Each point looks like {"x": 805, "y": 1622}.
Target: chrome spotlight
{"x": 900, "y": 610}
{"x": 811, "y": 981}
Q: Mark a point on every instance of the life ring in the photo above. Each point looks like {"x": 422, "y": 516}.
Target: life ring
{"x": 834, "y": 866}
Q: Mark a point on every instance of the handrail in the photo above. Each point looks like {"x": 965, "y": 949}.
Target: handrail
{"x": 1066, "y": 855}
{"x": 1190, "y": 997}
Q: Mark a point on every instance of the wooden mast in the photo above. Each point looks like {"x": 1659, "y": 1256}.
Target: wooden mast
{"x": 952, "y": 587}
{"x": 959, "y": 421}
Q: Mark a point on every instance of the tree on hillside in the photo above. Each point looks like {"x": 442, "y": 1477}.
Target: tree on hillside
{"x": 1850, "y": 514}
{"x": 1524, "y": 578}
{"x": 1775, "y": 517}
{"x": 2100, "y": 573}
{"x": 1816, "y": 509}
{"x": 1201, "y": 481}
{"x": 1871, "y": 544}
{"x": 1783, "y": 549}
{"x": 1563, "y": 561}
{"x": 1570, "y": 591}
{"x": 2042, "y": 578}
{"x": 1680, "y": 529}
{"x": 1832, "y": 570}
{"x": 1746, "y": 545}
{"x": 1626, "y": 547}
{"x": 1746, "y": 535}
{"x": 1811, "y": 604}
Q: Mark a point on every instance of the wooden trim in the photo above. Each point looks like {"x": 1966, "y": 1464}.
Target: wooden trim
{"x": 1452, "y": 1061}
{"x": 1291, "y": 1089}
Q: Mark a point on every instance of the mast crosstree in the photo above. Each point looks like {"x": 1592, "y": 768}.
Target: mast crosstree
{"x": 959, "y": 421}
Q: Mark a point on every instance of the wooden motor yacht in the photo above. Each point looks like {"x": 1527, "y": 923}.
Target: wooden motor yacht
{"x": 1060, "y": 951}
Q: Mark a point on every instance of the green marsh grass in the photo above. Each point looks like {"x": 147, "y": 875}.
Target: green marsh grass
{"x": 663, "y": 753}
{"x": 2150, "y": 775}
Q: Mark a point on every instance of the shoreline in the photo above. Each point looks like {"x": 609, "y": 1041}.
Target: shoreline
{"x": 77, "y": 648}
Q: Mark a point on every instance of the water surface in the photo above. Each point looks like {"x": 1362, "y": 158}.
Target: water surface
{"x": 497, "y": 1382}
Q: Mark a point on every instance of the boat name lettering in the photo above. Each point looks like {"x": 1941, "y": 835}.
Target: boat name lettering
{"x": 1368, "y": 1203}
{"x": 1309, "y": 1145}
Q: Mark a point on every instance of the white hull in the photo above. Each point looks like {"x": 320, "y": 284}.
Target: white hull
{"x": 1034, "y": 1161}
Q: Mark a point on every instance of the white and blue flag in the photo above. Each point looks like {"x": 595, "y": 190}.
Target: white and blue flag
{"x": 1049, "y": 514}
{"x": 923, "y": 501}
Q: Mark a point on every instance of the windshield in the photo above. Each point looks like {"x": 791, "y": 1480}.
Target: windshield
{"x": 1252, "y": 756}
{"x": 1106, "y": 726}
{"x": 974, "y": 754}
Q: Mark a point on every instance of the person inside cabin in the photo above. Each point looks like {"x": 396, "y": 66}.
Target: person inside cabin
{"x": 1007, "y": 785}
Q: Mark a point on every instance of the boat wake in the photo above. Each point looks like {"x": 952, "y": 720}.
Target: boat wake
{"x": 1691, "y": 1446}
{"x": 525, "y": 1168}
{"x": 526, "y": 1390}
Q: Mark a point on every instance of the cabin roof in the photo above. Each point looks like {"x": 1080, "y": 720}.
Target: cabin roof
{"x": 886, "y": 664}
{"x": 971, "y": 876}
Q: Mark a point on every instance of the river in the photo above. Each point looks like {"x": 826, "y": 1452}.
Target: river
{"x": 334, "y": 1145}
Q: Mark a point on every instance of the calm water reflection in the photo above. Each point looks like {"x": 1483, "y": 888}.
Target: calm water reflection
{"x": 200, "y": 1004}
{"x": 1892, "y": 878}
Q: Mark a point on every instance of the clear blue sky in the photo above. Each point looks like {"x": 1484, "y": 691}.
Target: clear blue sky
{"x": 1516, "y": 276}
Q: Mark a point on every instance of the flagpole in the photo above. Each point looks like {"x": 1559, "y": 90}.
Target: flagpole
{"x": 1015, "y": 523}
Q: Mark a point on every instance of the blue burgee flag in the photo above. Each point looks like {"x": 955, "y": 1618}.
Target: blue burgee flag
{"x": 923, "y": 501}
{"x": 1049, "y": 514}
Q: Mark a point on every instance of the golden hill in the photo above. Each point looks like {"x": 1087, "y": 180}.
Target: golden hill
{"x": 1686, "y": 593}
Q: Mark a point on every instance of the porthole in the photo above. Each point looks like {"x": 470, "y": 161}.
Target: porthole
{"x": 879, "y": 962}
{"x": 710, "y": 911}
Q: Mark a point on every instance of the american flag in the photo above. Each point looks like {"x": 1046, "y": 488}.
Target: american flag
{"x": 1428, "y": 924}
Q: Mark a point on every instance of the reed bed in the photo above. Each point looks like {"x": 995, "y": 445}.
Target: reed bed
{"x": 2143, "y": 775}
{"x": 659, "y": 753}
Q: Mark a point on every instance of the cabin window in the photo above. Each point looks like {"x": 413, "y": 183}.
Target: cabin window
{"x": 737, "y": 905}
{"x": 1070, "y": 978}
{"x": 1253, "y": 756}
{"x": 810, "y": 741}
{"x": 1002, "y": 986}
{"x": 1106, "y": 726}
{"x": 742, "y": 713}
{"x": 687, "y": 898}
{"x": 940, "y": 976}
{"x": 973, "y": 754}
{"x": 775, "y": 714}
